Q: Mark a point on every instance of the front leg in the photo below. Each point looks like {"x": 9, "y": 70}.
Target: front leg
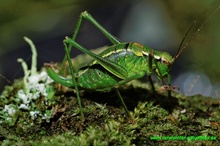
{"x": 167, "y": 87}
{"x": 151, "y": 61}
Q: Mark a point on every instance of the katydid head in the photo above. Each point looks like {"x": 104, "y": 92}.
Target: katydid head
{"x": 162, "y": 60}
{"x": 163, "y": 66}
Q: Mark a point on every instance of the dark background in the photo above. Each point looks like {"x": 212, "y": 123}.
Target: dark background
{"x": 160, "y": 25}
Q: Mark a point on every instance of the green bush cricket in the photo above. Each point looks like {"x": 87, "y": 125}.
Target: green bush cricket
{"x": 120, "y": 63}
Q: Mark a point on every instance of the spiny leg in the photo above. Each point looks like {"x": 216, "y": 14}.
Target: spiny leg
{"x": 74, "y": 80}
{"x": 88, "y": 17}
{"x": 152, "y": 59}
{"x": 152, "y": 84}
{"x": 125, "y": 107}
{"x": 111, "y": 38}
{"x": 168, "y": 87}
{"x": 151, "y": 56}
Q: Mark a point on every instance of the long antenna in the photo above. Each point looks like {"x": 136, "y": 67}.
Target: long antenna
{"x": 184, "y": 38}
{"x": 180, "y": 50}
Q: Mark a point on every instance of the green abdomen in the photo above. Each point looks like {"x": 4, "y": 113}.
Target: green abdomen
{"x": 96, "y": 77}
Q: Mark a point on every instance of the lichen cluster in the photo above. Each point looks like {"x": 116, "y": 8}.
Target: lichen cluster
{"x": 27, "y": 102}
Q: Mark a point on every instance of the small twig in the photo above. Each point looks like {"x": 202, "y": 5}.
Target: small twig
{"x": 192, "y": 85}
{"x": 6, "y": 79}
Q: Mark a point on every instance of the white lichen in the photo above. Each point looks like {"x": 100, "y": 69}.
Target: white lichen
{"x": 35, "y": 84}
{"x": 24, "y": 97}
{"x": 9, "y": 109}
{"x": 24, "y": 106}
{"x": 34, "y": 114}
{"x": 34, "y": 97}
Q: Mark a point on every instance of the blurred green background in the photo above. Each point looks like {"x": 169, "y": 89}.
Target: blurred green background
{"x": 159, "y": 24}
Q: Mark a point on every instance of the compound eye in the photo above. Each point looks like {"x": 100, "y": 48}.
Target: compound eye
{"x": 165, "y": 61}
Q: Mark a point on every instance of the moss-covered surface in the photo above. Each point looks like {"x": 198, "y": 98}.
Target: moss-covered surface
{"x": 106, "y": 123}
